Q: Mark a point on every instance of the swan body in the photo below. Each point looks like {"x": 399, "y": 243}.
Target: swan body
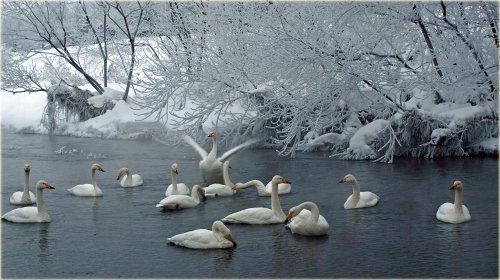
{"x": 176, "y": 188}
{"x": 219, "y": 237}
{"x": 262, "y": 215}
{"x": 457, "y": 212}
{"x": 180, "y": 201}
{"x": 282, "y": 188}
{"x": 210, "y": 165}
{"x": 25, "y": 197}
{"x": 305, "y": 220}
{"x": 129, "y": 179}
{"x": 358, "y": 199}
{"x": 88, "y": 189}
{"x": 226, "y": 189}
{"x": 31, "y": 214}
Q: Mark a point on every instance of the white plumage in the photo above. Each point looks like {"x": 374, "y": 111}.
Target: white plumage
{"x": 25, "y": 197}
{"x": 179, "y": 201}
{"x": 305, "y": 220}
{"x": 358, "y": 199}
{"x": 457, "y": 212}
{"x": 219, "y": 237}
{"x": 129, "y": 179}
{"x": 31, "y": 214}
{"x": 176, "y": 188}
{"x": 88, "y": 189}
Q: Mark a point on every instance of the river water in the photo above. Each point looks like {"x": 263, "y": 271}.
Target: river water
{"x": 123, "y": 234}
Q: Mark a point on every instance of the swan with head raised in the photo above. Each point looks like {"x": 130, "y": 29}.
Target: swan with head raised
{"x": 88, "y": 189}
{"x": 211, "y": 165}
{"x": 358, "y": 199}
{"x": 31, "y": 214}
{"x": 457, "y": 212}
{"x": 176, "y": 188}
{"x": 129, "y": 179}
{"x": 219, "y": 237}
{"x": 304, "y": 219}
{"x": 261, "y": 215}
{"x": 180, "y": 201}
{"x": 25, "y": 197}
{"x": 226, "y": 189}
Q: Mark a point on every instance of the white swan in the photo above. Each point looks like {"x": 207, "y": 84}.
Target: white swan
{"x": 264, "y": 190}
{"x": 457, "y": 212}
{"x": 88, "y": 189}
{"x": 176, "y": 188}
{"x": 305, "y": 220}
{"x": 226, "y": 189}
{"x": 180, "y": 201}
{"x": 210, "y": 164}
{"x": 261, "y": 215}
{"x": 129, "y": 180}
{"x": 219, "y": 237}
{"x": 358, "y": 199}
{"x": 31, "y": 214}
{"x": 25, "y": 197}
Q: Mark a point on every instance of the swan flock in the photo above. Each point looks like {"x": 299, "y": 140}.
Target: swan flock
{"x": 303, "y": 219}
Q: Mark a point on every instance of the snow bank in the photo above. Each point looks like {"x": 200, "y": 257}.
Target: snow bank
{"x": 22, "y": 110}
{"x": 360, "y": 143}
{"x": 109, "y": 95}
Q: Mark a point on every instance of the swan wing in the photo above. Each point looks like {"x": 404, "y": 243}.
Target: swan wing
{"x": 85, "y": 190}
{"x": 283, "y": 188}
{"x": 177, "y": 201}
{"x": 219, "y": 189}
{"x": 255, "y": 216}
{"x": 304, "y": 225}
{"x": 228, "y": 154}
{"x": 195, "y": 146}
{"x": 137, "y": 180}
{"x": 367, "y": 199}
{"x": 22, "y": 215}
{"x": 181, "y": 189}
{"x": 199, "y": 239}
{"x": 17, "y": 199}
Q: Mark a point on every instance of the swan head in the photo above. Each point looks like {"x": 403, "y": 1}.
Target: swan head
{"x": 175, "y": 168}
{"x": 122, "y": 171}
{"x": 27, "y": 168}
{"x": 97, "y": 166}
{"x": 200, "y": 191}
{"x": 290, "y": 215}
{"x": 457, "y": 185}
{"x": 280, "y": 180}
{"x": 219, "y": 226}
{"x": 43, "y": 185}
{"x": 211, "y": 134}
{"x": 349, "y": 178}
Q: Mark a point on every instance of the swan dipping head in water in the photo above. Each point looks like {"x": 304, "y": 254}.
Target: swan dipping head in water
{"x": 457, "y": 212}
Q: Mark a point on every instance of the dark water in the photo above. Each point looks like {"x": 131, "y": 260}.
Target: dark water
{"x": 123, "y": 235}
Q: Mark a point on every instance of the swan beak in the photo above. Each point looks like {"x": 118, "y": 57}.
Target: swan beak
{"x": 288, "y": 217}
{"x": 342, "y": 180}
{"x": 119, "y": 175}
{"x": 102, "y": 170}
{"x": 47, "y": 186}
{"x": 453, "y": 187}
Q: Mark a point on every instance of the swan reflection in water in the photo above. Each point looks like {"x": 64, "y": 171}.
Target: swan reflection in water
{"x": 43, "y": 243}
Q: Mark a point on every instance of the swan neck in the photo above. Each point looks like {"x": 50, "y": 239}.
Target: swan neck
{"x": 94, "y": 183}
{"x": 458, "y": 200}
{"x": 355, "y": 189}
{"x": 213, "y": 152}
{"x": 195, "y": 195}
{"x": 275, "y": 200}
{"x": 311, "y": 207}
{"x": 26, "y": 183}
{"x": 174, "y": 182}
{"x": 129, "y": 177}
{"x": 40, "y": 204}
{"x": 225, "y": 175}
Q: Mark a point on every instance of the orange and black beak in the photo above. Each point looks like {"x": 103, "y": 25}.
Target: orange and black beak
{"x": 288, "y": 217}
{"x": 47, "y": 186}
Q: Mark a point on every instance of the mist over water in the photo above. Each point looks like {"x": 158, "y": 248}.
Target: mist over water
{"x": 123, "y": 234}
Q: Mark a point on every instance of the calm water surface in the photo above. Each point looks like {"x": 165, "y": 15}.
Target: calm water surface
{"x": 123, "y": 234}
